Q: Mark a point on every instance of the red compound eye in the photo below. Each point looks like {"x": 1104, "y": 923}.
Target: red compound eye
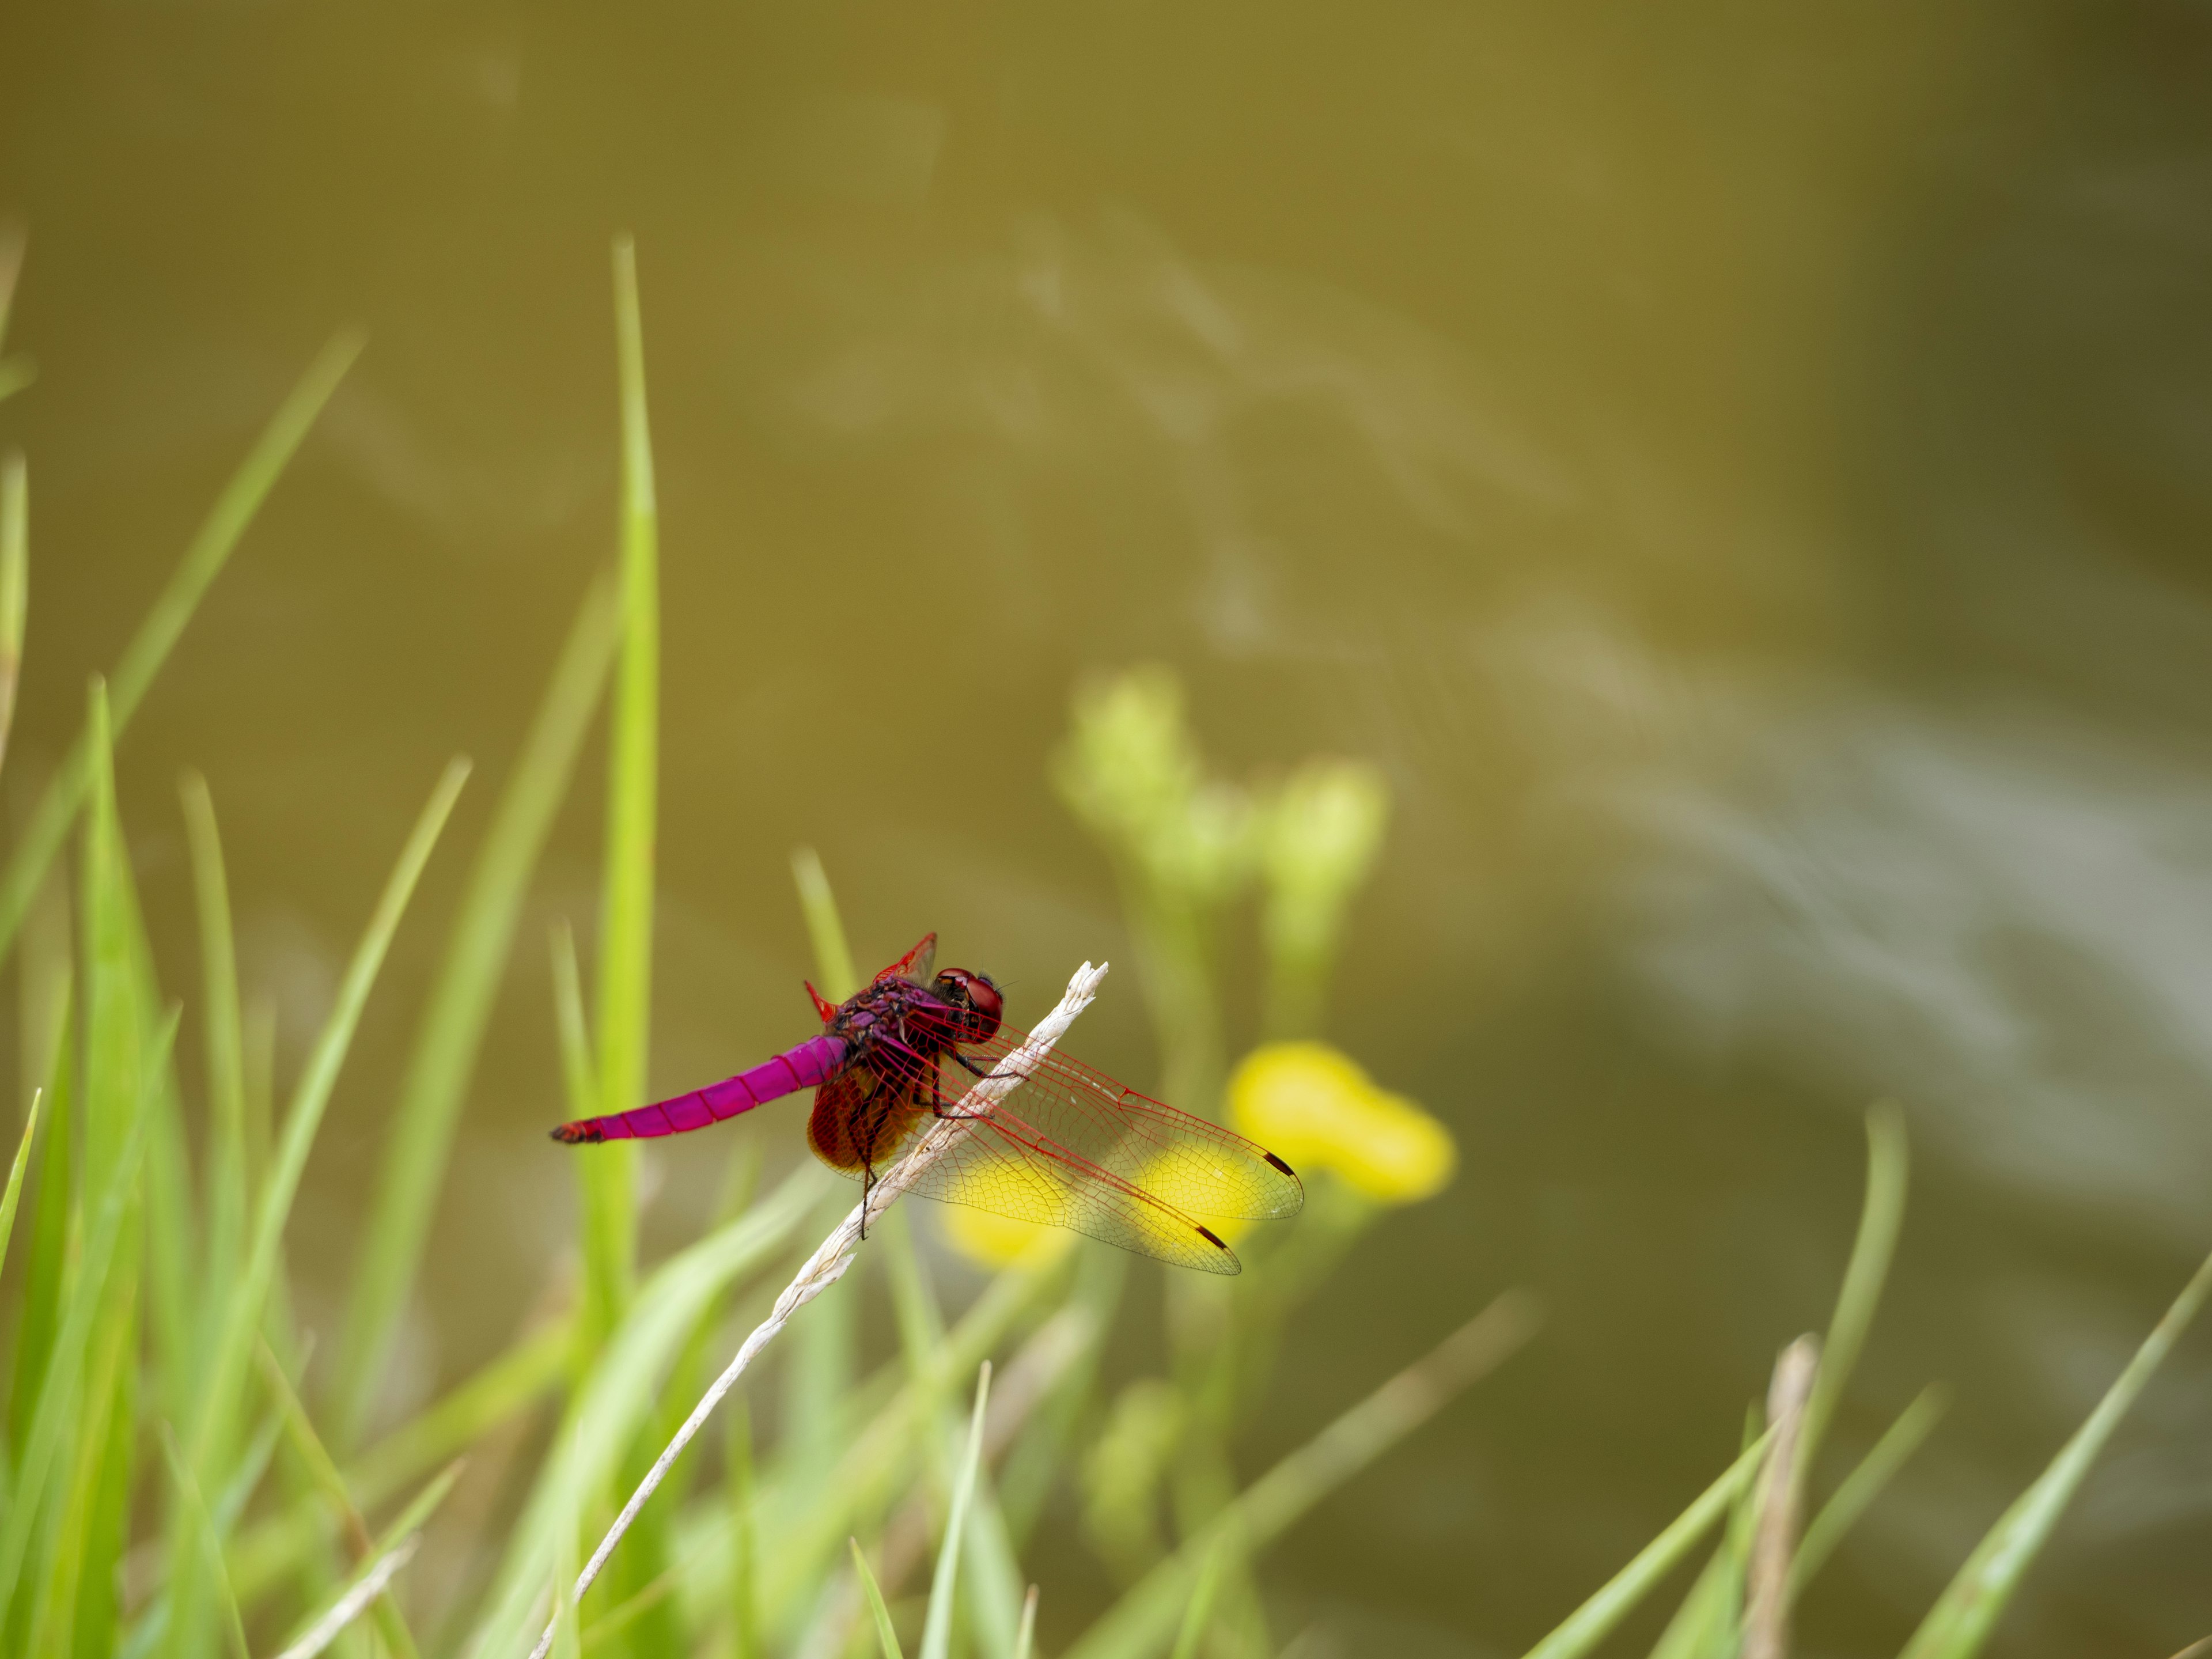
{"x": 977, "y": 997}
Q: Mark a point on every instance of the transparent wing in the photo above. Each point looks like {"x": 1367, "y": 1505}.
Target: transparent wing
{"x": 1070, "y": 1147}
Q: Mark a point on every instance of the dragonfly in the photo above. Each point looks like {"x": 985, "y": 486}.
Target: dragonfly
{"x": 1066, "y": 1146}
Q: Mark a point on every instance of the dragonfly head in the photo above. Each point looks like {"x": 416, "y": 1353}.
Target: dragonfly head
{"x": 976, "y": 998}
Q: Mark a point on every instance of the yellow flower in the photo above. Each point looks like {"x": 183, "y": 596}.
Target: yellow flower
{"x": 998, "y": 1242}
{"x": 1313, "y": 1106}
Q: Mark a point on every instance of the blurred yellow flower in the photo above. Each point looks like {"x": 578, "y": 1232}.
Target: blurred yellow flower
{"x": 1313, "y": 1106}
{"x": 997, "y": 1241}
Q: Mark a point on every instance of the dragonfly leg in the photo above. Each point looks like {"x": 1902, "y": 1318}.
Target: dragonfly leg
{"x": 937, "y": 1092}
{"x": 985, "y": 1072}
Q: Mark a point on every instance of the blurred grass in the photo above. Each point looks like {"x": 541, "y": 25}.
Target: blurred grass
{"x": 41, "y": 839}
{"x": 460, "y": 1006}
{"x": 175, "y": 1477}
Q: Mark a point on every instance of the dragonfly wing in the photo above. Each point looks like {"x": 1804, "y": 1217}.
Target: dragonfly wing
{"x": 1198, "y": 1167}
{"x": 1069, "y": 1147}
{"x": 916, "y": 965}
{"x": 1005, "y": 1166}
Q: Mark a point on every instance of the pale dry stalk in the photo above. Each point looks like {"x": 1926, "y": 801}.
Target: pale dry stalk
{"x": 351, "y": 1606}
{"x": 828, "y": 1263}
{"x": 1767, "y": 1614}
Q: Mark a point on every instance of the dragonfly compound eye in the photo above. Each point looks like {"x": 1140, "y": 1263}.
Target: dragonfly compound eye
{"x": 977, "y": 997}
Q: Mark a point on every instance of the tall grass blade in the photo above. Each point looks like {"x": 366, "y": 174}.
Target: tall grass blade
{"x": 15, "y": 567}
{"x": 58, "y": 1392}
{"x": 202, "y": 1526}
{"x": 1592, "y": 1622}
{"x": 248, "y": 1297}
{"x": 1025, "y": 1637}
{"x": 458, "y": 1008}
{"x": 825, "y": 931}
{"x": 625, "y": 983}
{"x": 502, "y": 1390}
{"x": 50, "y": 1229}
{"x": 579, "y": 1072}
{"x": 1865, "y": 1483}
{"x": 886, "y": 1636}
{"x": 148, "y": 649}
{"x": 227, "y": 1188}
{"x": 937, "y": 1628}
{"x": 15, "y": 373}
{"x": 618, "y": 1396}
{"x": 1143, "y": 1620}
{"x": 738, "y": 1486}
{"x": 1199, "y": 1615}
{"x": 323, "y": 1474}
{"x": 15, "y": 1192}
{"x": 1881, "y": 1218}
{"x": 1969, "y": 1607}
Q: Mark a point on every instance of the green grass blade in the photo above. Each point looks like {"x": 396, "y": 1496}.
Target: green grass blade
{"x": 11, "y": 268}
{"x": 459, "y": 1008}
{"x": 502, "y": 1390}
{"x": 204, "y": 1532}
{"x": 58, "y": 1391}
{"x": 737, "y": 1487}
{"x": 15, "y": 567}
{"x": 1865, "y": 1483}
{"x": 1708, "y": 1624}
{"x": 228, "y": 1194}
{"x": 833, "y": 956}
{"x": 148, "y": 649}
{"x": 804, "y": 1520}
{"x": 16, "y": 1178}
{"x": 625, "y": 983}
{"x": 323, "y": 1474}
{"x": 77, "y": 1591}
{"x": 409, "y": 1521}
{"x": 1888, "y": 1170}
{"x": 1025, "y": 1638}
{"x": 617, "y": 1397}
{"x": 885, "y": 1635}
{"x": 15, "y": 373}
{"x": 1969, "y": 1607}
{"x": 936, "y": 1629}
{"x": 1143, "y": 1620}
{"x": 1593, "y": 1621}
{"x": 223, "y": 1381}
{"x": 45, "y": 1269}
{"x": 579, "y": 1072}
{"x": 1200, "y": 1613}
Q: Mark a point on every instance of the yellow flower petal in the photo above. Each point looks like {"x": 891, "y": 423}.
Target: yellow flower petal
{"x": 999, "y": 1241}
{"x": 1313, "y": 1106}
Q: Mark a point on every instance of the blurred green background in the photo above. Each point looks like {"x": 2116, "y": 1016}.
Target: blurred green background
{"x": 1740, "y": 475}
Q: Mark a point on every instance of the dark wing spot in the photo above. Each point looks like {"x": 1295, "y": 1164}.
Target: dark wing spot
{"x": 572, "y": 1134}
{"x": 1280, "y": 1165}
{"x": 1211, "y": 1239}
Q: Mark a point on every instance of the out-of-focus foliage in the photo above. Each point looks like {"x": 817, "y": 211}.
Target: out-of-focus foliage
{"x": 180, "y": 1476}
